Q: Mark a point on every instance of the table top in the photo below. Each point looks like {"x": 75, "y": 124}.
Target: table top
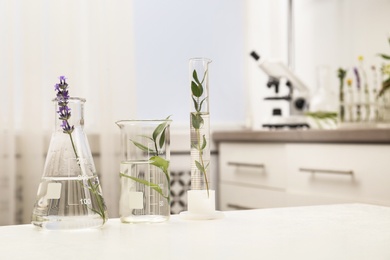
{"x": 352, "y": 136}
{"x": 345, "y": 231}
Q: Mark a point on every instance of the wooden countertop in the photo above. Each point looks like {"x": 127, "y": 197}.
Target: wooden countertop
{"x": 361, "y": 136}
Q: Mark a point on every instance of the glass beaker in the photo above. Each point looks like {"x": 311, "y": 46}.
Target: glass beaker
{"x": 69, "y": 195}
{"x": 144, "y": 170}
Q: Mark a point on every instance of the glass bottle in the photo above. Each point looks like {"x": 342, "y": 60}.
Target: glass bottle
{"x": 69, "y": 195}
{"x": 144, "y": 171}
{"x": 324, "y": 102}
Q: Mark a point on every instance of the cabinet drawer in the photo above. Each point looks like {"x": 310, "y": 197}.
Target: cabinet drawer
{"x": 236, "y": 197}
{"x": 295, "y": 199}
{"x": 357, "y": 172}
{"x": 254, "y": 164}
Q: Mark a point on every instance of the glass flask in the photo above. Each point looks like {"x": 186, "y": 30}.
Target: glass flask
{"x": 69, "y": 195}
{"x": 323, "y": 104}
{"x": 144, "y": 171}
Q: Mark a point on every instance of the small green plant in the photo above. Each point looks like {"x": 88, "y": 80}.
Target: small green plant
{"x": 158, "y": 139}
{"x": 322, "y": 116}
{"x": 341, "y": 73}
{"x": 197, "y": 123}
{"x": 386, "y": 73}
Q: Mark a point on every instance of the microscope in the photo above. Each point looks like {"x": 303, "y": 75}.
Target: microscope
{"x": 298, "y": 94}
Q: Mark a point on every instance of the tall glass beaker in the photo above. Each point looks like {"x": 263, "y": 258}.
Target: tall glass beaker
{"x": 200, "y": 124}
{"x": 201, "y": 198}
{"x": 144, "y": 171}
{"x": 69, "y": 195}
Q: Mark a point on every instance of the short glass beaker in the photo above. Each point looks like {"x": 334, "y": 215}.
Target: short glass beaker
{"x": 144, "y": 171}
{"x": 69, "y": 195}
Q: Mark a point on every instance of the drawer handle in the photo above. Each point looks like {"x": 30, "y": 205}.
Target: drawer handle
{"x": 312, "y": 170}
{"x": 238, "y": 207}
{"x": 253, "y": 165}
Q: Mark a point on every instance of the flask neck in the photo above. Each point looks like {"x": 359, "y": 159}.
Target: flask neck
{"x": 75, "y": 111}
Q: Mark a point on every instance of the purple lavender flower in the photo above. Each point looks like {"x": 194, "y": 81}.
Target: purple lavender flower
{"x": 63, "y": 109}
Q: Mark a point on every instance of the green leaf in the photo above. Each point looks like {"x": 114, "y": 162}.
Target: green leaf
{"x": 204, "y": 142}
{"x": 204, "y": 77}
{"x": 146, "y": 183}
{"x": 200, "y": 167}
{"x": 385, "y": 87}
{"x": 384, "y": 56}
{"x": 162, "y": 164}
{"x": 160, "y": 128}
{"x": 201, "y": 103}
{"x": 162, "y": 139}
{"x": 195, "y": 76}
{"x": 196, "y": 120}
{"x": 341, "y": 73}
{"x": 197, "y": 90}
{"x": 195, "y": 104}
{"x": 143, "y": 147}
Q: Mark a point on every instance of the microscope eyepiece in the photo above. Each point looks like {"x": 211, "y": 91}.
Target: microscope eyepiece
{"x": 255, "y": 55}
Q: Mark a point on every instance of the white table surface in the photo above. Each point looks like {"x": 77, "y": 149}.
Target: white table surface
{"x": 350, "y": 231}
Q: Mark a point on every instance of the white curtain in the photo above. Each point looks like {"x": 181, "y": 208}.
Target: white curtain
{"x": 91, "y": 43}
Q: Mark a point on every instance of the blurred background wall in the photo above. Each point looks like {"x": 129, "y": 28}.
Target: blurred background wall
{"x": 129, "y": 59}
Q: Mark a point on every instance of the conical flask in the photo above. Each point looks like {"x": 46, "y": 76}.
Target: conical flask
{"x": 69, "y": 195}
{"x": 144, "y": 171}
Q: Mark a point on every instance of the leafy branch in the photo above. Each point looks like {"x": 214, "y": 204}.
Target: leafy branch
{"x": 197, "y": 122}
{"x": 341, "y": 75}
{"x": 95, "y": 189}
{"x": 147, "y": 183}
{"x": 385, "y": 70}
{"x": 158, "y": 139}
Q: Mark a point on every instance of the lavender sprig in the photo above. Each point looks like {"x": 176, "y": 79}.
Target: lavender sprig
{"x": 64, "y": 111}
{"x": 64, "y": 115}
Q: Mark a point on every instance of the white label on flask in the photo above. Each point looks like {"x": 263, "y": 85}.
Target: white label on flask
{"x": 53, "y": 191}
{"x": 136, "y": 200}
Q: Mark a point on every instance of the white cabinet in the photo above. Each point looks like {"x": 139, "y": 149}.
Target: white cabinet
{"x": 253, "y": 164}
{"x": 259, "y": 175}
{"x": 236, "y": 197}
{"x": 339, "y": 172}
{"x": 252, "y": 175}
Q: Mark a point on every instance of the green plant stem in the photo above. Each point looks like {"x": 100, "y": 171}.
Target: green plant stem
{"x": 101, "y": 211}
{"x": 159, "y": 164}
{"x": 196, "y": 96}
{"x": 74, "y": 147}
{"x": 100, "y": 202}
{"x": 201, "y": 161}
{"x": 147, "y": 183}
